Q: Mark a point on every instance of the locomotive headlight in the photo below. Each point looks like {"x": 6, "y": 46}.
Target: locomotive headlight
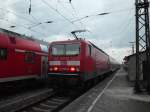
{"x": 72, "y": 69}
{"x": 55, "y": 68}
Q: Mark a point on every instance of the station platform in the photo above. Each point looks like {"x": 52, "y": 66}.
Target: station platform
{"x": 117, "y": 96}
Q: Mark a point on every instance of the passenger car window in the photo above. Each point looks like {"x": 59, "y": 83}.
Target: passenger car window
{"x": 3, "y": 53}
{"x": 30, "y": 57}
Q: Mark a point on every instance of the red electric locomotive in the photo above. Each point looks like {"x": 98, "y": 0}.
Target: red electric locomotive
{"x": 77, "y": 61}
{"x": 21, "y": 57}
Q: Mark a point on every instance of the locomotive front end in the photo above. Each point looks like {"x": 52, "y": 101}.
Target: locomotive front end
{"x": 64, "y": 63}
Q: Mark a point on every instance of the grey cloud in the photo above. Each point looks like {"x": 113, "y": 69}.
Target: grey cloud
{"x": 112, "y": 27}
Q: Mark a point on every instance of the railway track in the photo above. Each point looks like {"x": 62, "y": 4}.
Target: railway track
{"x": 44, "y": 100}
{"x": 57, "y": 101}
{"x": 51, "y": 104}
{"x": 19, "y": 101}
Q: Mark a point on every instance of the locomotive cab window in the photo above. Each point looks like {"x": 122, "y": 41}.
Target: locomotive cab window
{"x": 66, "y": 49}
{"x": 58, "y": 50}
{"x": 3, "y": 53}
{"x": 29, "y": 57}
{"x": 72, "y": 49}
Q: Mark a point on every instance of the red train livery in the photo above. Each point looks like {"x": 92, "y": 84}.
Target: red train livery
{"x": 21, "y": 57}
{"x": 78, "y": 60}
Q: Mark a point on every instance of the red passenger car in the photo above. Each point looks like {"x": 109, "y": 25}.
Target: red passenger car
{"x": 76, "y": 60}
{"x": 21, "y": 57}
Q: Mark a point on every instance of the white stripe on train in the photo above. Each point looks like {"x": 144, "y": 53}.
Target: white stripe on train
{"x": 70, "y": 63}
{"x": 54, "y": 63}
{"x": 77, "y": 63}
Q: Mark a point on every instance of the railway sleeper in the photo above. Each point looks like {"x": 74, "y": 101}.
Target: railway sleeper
{"x": 48, "y": 106}
{"x": 50, "y": 102}
{"x": 37, "y": 109}
{"x": 59, "y": 100}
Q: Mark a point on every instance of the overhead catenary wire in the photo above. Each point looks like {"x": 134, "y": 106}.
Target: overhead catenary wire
{"x": 124, "y": 27}
{"x": 61, "y": 4}
{"x": 76, "y": 14}
{"x": 35, "y": 22}
{"x": 38, "y": 23}
{"x": 42, "y": 34}
{"x": 100, "y": 14}
{"x": 46, "y": 3}
{"x": 52, "y": 8}
{"x": 127, "y": 25}
{"x": 21, "y": 17}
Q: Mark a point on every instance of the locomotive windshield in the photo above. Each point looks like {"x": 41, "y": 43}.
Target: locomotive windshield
{"x": 66, "y": 49}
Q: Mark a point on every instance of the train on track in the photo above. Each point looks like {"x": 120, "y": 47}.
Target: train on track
{"x": 72, "y": 61}
{"x": 22, "y": 57}
{"x": 78, "y": 61}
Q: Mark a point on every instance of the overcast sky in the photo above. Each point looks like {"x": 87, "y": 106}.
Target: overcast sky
{"x": 111, "y": 32}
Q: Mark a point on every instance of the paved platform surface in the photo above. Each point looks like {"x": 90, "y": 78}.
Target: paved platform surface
{"x": 116, "y": 96}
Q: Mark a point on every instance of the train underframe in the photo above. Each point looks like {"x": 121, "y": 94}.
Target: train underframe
{"x": 62, "y": 81}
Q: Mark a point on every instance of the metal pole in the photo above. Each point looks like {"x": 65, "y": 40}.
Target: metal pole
{"x": 147, "y": 33}
{"x": 137, "y": 89}
{"x": 142, "y": 43}
{"x": 132, "y": 45}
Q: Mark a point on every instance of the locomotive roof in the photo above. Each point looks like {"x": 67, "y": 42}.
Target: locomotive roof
{"x": 11, "y": 33}
{"x": 18, "y": 41}
{"x": 15, "y": 34}
{"x": 79, "y": 40}
{"x": 67, "y": 41}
